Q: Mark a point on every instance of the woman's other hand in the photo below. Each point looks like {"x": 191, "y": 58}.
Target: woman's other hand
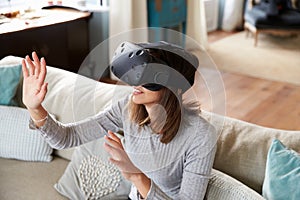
{"x": 34, "y": 86}
{"x": 119, "y": 157}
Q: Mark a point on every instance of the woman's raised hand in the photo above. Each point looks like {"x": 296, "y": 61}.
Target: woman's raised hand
{"x": 34, "y": 86}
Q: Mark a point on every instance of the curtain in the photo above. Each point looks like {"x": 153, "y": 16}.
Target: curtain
{"x": 232, "y": 14}
{"x": 221, "y": 12}
{"x": 196, "y": 24}
{"x": 124, "y": 16}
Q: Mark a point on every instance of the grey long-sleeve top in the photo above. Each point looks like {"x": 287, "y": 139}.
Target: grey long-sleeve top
{"x": 178, "y": 170}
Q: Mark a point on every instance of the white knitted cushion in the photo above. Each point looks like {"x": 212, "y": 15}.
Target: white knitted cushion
{"x": 90, "y": 175}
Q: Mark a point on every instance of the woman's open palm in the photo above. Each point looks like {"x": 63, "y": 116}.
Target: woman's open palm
{"x": 34, "y": 86}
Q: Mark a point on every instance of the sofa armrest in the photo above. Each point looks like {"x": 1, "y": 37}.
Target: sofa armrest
{"x": 224, "y": 187}
{"x": 243, "y": 148}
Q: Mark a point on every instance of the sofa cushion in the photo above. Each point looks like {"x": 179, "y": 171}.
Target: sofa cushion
{"x": 282, "y": 178}
{"x": 17, "y": 140}
{"x": 10, "y": 74}
{"x": 72, "y": 97}
{"x": 243, "y": 147}
{"x": 90, "y": 175}
{"x": 30, "y": 180}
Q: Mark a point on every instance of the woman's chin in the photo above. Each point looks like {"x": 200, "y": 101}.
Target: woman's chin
{"x": 137, "y": 100}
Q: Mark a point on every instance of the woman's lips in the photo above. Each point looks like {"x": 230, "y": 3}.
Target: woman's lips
{"x": 137, "y": 92}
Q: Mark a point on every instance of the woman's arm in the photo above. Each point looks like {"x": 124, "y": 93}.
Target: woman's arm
{"x": 59, "y": 135}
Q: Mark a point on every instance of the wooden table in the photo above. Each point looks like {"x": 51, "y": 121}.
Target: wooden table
{"x": 59, "y": 35}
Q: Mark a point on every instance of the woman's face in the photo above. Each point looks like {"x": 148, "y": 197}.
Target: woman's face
{"x": 144, "y": 96}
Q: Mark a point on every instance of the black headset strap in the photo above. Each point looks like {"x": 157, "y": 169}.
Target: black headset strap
{"x": 175, "y": 49}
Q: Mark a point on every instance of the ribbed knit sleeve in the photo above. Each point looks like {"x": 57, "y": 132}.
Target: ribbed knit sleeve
{"x": 156, "y": 193}
{"x": 61, "y": 136}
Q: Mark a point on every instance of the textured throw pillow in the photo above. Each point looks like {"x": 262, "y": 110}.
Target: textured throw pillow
{"x": 9, "y": 80}
{"x": 90, "y": 175}
{"x": 17, "y": 140}
{"x": 282, "y": 178}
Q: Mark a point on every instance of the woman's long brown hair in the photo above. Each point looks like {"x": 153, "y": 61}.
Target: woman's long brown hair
{"x": 166, "y": 121}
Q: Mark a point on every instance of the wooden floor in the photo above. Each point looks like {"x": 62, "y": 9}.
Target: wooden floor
{"x": 218, "y": 35}
{"x": 266, "y": 103}
{"x": 263, "y": 102}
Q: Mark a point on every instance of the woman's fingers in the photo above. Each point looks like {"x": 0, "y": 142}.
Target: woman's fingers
{"x": 113, "y": 143}
{"x": 37, "y": 64}
{"x": 43, "y": 70}
{"x": 43, "y": 91}
{"x": 114, "y": 152}
{"x": 113, "y": 139}
{"x": 120, "y": 159}
{"x": 113, "y": 136}
{"x": 24, "y": 69}
{"x": 30, "y": 64}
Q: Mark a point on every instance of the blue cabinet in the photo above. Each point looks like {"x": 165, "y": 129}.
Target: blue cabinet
{"x": 169, "y": 14}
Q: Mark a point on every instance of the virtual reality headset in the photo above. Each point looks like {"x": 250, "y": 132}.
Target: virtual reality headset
{"x": 154, "y": 65}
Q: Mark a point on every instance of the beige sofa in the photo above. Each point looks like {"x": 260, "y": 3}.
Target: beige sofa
{"x": 239, "y": 164}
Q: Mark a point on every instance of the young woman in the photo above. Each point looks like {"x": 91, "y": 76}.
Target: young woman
{"x": 167, "y": 151}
